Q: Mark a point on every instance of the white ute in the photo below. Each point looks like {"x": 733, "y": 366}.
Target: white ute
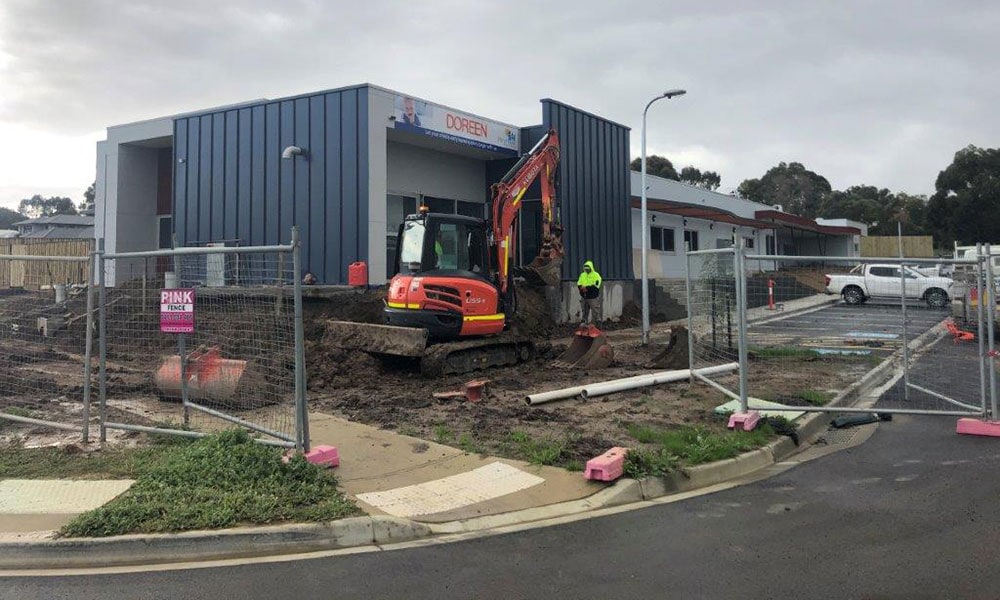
{"x": 882, "y": 281}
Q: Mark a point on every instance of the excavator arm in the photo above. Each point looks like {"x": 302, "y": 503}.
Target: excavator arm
{"x": 506, "y": 194}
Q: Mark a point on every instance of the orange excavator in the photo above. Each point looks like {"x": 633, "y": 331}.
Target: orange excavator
{"x": 453, "y": 294}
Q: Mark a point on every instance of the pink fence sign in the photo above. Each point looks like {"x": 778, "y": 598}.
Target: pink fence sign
{"x": 177, "y": 311}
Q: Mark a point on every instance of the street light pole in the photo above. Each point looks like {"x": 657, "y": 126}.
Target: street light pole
{"x": 645, "y": 227}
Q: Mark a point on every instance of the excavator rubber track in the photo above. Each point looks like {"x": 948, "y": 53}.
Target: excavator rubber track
{"x": 448, "y": 358}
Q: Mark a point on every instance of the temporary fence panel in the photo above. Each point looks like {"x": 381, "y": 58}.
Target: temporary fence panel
{"x": 205, "y": 338}
{"x": 46, "y": 327}
{"x": 713, "y": 305}
{"x": 817, "y": 325}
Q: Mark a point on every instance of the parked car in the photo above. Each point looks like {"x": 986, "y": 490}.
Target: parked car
{"x": 883, "y": 281}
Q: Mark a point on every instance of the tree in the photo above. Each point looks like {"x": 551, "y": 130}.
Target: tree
{"x": 966, "y": 205}
{"x": 9, "y": 217}
{"x": 657, "y": 165}
{"x": 709, "y": 180}
{"x": 36, "y": 206}
{"x": 88, "y": 198}
{"x": 878, "y": 208}
{"x": 797, "y": 189}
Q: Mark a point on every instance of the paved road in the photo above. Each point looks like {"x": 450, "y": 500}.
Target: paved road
{"x": 871, "y": 326}
{"x": 912, "y": 513}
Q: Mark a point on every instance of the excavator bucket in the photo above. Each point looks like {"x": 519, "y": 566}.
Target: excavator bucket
{"x": 210, "y": 378}
{"x": 377, "y": 339}
{"x": 588, "y": 350}
{"x": 675, "y": 355}
{"x": 542, "y": 271}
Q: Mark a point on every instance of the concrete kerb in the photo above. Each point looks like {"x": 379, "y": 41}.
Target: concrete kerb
{"x": 207, "y": 545}
{"x": 380, "y": 530}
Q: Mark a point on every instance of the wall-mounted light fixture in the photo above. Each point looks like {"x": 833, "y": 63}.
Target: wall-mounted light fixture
{"x": 292, "y": 151}
{"x": 711, "y": 225}
{"x": 685, "y": 221}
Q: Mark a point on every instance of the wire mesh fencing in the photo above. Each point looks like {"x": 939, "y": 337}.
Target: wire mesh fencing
{"x": 204, "y": 338}
{"x": 714, "y": 317}
{"x": 46, "y": 326}
{"x": 816, "y": 326}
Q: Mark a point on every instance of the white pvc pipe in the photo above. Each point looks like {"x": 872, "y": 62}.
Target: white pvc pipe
{"x": 621, "y": 385}
{"x": 627, "y": 383}
{"x": 562, "y": 394}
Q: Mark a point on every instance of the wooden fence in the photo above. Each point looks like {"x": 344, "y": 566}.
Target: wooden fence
{"x": 34, "y": 275}
{"x": 914, "y": 246}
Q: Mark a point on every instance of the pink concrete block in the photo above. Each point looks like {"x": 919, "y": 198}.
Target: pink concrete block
{"x": 978, "y": 427}
{"x": 324, "y": 456}
{"x": 747, "y": 421}
{"x": 608, "y": 466}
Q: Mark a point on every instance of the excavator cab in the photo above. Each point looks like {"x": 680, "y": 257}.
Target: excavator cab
{"x": 445, "y": 245}
{"x": 444, "y": 280}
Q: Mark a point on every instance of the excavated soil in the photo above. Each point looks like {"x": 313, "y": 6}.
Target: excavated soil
{"x": 391, "y": 394}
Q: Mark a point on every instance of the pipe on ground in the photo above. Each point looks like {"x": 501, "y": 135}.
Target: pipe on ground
{"x": 626, "y": 383}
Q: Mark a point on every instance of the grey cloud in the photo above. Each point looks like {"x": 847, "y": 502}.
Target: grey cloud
{"x": 881, "y": 93}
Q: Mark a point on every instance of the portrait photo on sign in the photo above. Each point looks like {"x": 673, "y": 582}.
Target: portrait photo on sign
{"x": 410, "y": 111}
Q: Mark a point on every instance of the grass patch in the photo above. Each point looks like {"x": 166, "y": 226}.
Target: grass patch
{"x": 783, "y": 352}
{"x": 640, "y": 462}
{"x": 443, "y": 435}
{"x": 695, "y": 445}
{"x": 814, "y": 397}
{"x": 108, "y": 463}
{"x": 469, "y": 444}
{"x": 19, "y": 411}
{"x": 545, "y": 451}
{"x": 221, "y": 480}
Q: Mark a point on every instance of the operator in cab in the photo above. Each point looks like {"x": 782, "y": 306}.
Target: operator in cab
{"x": 589, "y": 284}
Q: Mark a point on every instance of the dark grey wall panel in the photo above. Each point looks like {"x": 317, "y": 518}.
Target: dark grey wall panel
{"x": 593, "y": 190}
{"x": 232, "y": 184}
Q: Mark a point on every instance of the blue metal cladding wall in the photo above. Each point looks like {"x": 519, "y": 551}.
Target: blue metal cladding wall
{"x": 593, "y": 187}
{"x": 234, "y": 185}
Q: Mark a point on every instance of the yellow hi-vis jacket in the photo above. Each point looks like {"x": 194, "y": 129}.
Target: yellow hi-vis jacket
{"x": 590, "y": 283}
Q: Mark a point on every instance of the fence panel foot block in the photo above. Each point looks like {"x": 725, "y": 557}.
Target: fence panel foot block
{"x": 978, "y": 427}
{"x": 746, "y": 421}
{"x": 608, "y": 466}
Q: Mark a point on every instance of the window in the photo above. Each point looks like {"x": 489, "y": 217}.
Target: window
{"x": 690, "y": 240}
{"x": 661, "y": 238}
{"x": 748, "y": 243}
{"x": 769, "y": 247}
{"x": 396, "y": 209}
{"x": 166, "y": 232}
{"x": 460, "y": 246}
{"x": 884, "y": 272}
{"x": 440, "y": 205}
{"x": 470, "y": 209}
{"x": 411, "y": 253}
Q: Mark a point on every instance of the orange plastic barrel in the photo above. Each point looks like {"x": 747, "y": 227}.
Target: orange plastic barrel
{"x": 357, "y": 274}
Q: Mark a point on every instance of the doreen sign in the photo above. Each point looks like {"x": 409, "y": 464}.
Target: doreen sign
{"x": 455, "y": 126}
{"x": 177, "y": 311}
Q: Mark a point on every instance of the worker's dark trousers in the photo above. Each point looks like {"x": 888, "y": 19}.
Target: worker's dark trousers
{"x": 591, "y": 309}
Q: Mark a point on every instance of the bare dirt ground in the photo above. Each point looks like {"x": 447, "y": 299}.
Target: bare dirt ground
{"x": 393, "y": 395}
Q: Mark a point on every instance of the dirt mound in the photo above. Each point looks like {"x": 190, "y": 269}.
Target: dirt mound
{"x": 533, "y": 318}
{"x": 675, "y": 355}
{"x": 364, "y": 306}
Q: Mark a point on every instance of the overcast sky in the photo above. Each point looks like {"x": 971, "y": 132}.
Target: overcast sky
{"x": 880, "y": 93}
